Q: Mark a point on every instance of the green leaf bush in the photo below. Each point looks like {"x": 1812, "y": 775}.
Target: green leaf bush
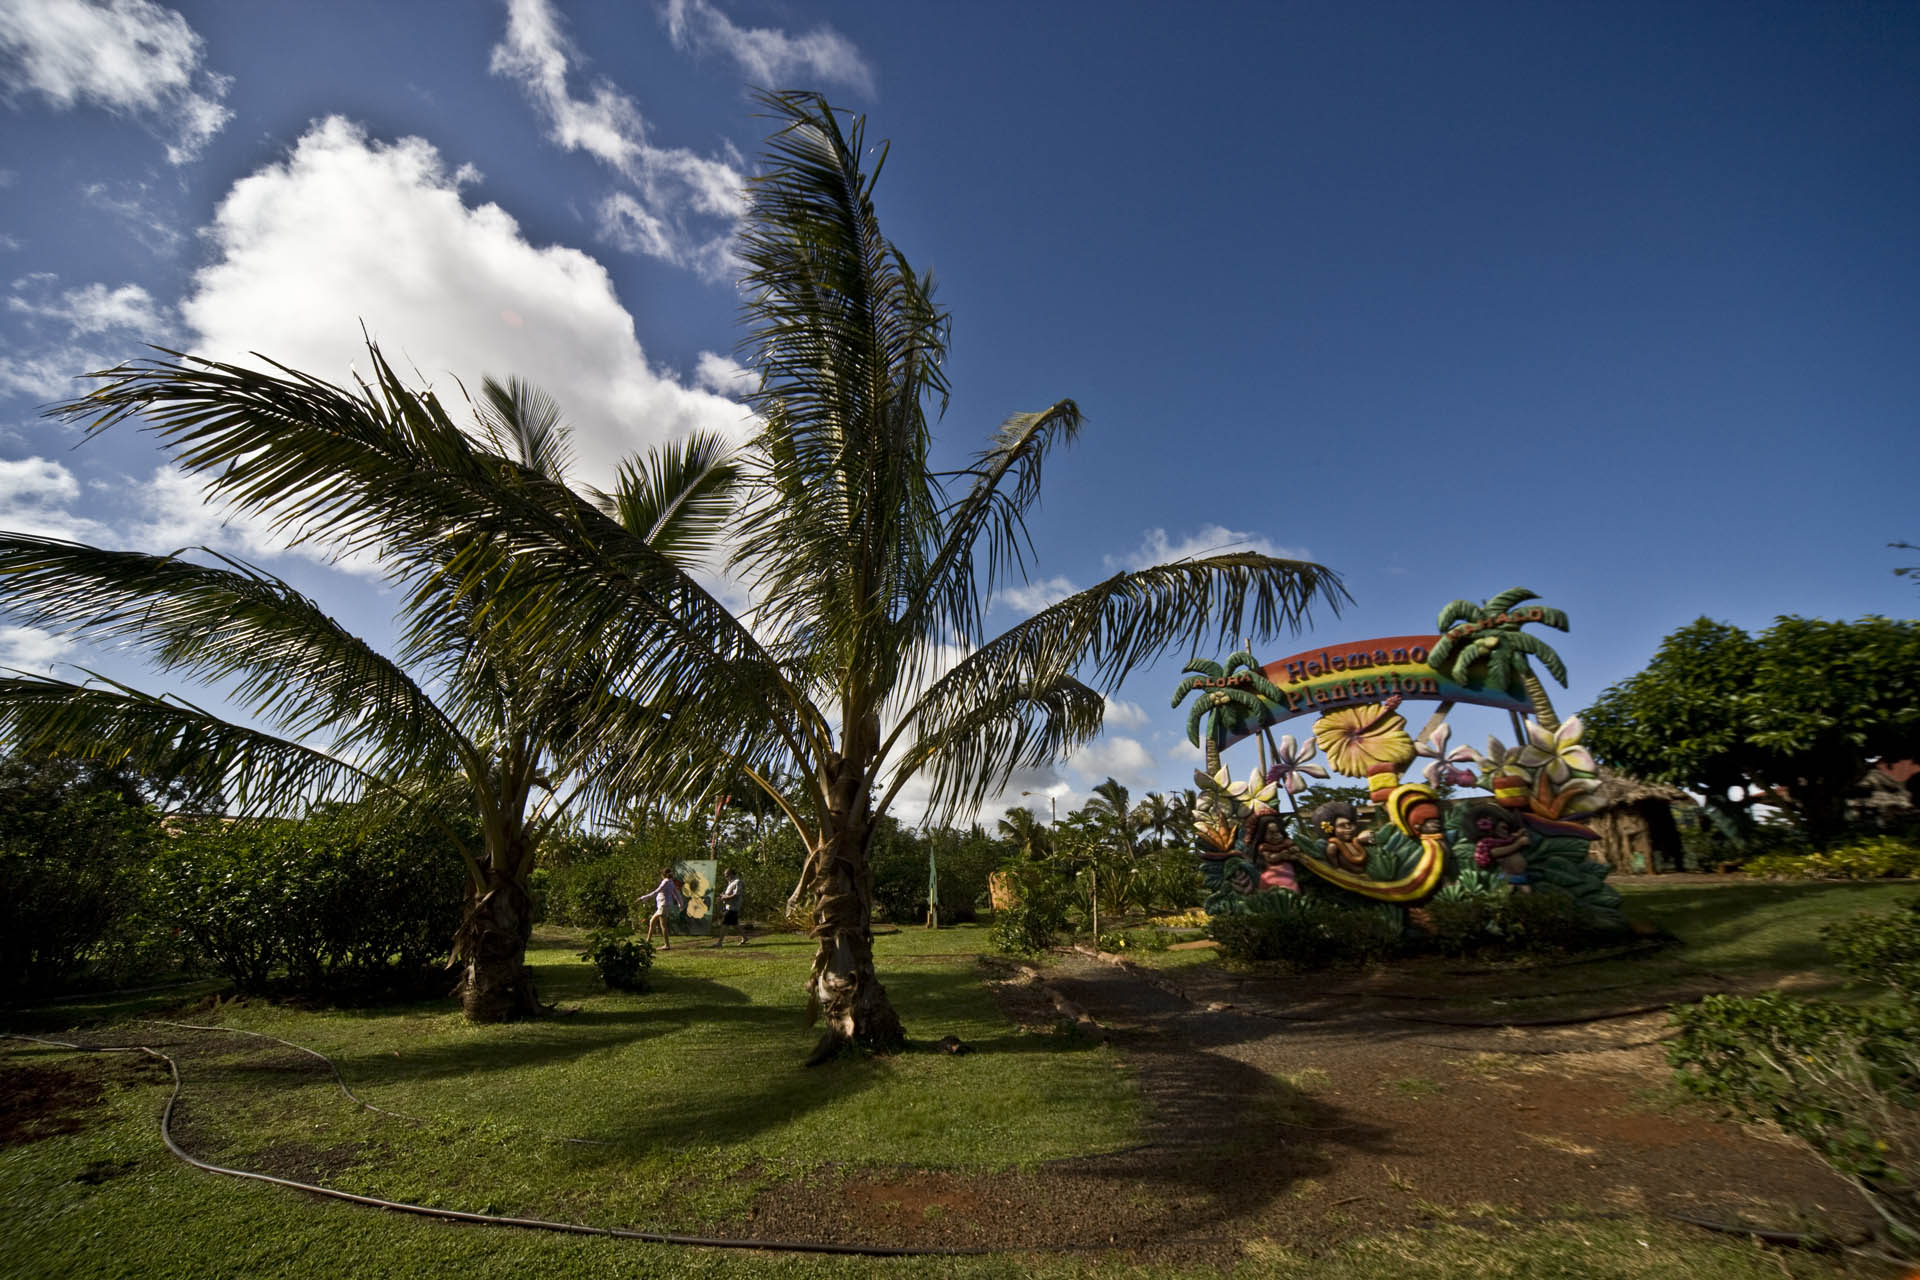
{"x": 624, "y": 964}
{"x": 330, "y": 905}
{"x": 1845, "y": 1078}
{"x": 1299, "y": 931}
{"x": 1041, "y": 914}
{"x": 73, "y": 849}
{"x": 1875, "y": 858}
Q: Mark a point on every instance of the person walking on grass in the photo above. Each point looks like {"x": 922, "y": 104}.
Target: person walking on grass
{"x": 666, "y": 896}
{"x": 731, "y": 898}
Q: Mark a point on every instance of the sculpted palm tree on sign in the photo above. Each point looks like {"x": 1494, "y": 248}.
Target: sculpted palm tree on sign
{"x": 495, "y": 734}
{"x": 869, "y": 570}
{"x": 1231, "y": 699}
{"x": 1486, "y": 639}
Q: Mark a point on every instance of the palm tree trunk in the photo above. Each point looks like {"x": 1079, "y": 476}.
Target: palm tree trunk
{"x": 1537, "y": 695}
{"x": 496, "y": 983}
{"x": 1213, "y": 751}
{"x": 843, "y": 988}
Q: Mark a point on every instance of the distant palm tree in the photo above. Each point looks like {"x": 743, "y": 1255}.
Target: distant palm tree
{"x": 1026, "y": 833}
{"x": 1486, "y": 639}
{"x": 1156, "y": 815}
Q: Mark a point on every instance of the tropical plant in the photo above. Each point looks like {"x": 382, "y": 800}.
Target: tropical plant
{"x": 1158, "y": 817}
{"x": 1026, "y": 833}
{"x": 1486, "y": 640}
{"x": 509, "y": 738}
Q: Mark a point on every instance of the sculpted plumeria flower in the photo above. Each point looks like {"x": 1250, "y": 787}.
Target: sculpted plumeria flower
{"x": 1558, "y": 750}
{"x": 1291, "y": 765}
{"x": 1497, "y": 761}
{"x": 1355, "y": 738}
{"x": 1441, "y": 770}
{"x": 1257, "y": 791}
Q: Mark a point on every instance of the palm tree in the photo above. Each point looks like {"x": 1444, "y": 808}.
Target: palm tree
{"x": 1157, "y": 816}
{"x": 1487, "y": 638}
{"x": 1026, "y": 833}
{"x": 867, "y": 568}
{"x": 480, "y": 727}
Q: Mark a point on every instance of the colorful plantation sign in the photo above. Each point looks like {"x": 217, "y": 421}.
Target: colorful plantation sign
{"x": 1319, "y": 680}
{"x": 1415, "y": 842}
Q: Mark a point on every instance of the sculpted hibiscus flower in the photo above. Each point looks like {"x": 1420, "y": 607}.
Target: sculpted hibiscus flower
{"x": 1358, "y": 738}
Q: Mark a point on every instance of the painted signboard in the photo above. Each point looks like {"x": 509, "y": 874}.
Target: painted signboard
{"x": 1323, "y": 679}
{"x": 695, "y": 877}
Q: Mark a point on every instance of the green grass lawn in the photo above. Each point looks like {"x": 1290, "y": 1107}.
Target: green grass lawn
{"x": 691, "y": 1098}
{"x": 1758, "y": 925}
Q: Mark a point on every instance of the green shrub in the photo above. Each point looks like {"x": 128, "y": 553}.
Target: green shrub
{"x": 1025, "y": 930}
{"x": 1844, "y": 1078}
{"x": 74, "y": 840}
{"x": 624, "y": 963}
{"x": 592, "y": 894}
{"x": 1302, "y": 932}
{"x": 1881, "y": 947}
{"x": 325, "y": 905}
{"x": 1875, "y": 858}
{"x": 1032, "y": 926}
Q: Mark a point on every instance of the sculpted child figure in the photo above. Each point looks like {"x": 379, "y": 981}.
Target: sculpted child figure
{"x": 1500, "y": 841}
{"x": 1338, "y": 823}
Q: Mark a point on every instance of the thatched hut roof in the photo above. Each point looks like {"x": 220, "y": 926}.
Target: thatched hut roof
{"x": 1618, "y": 790}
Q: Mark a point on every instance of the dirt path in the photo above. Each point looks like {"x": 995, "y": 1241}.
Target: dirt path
{"x": 1305, "y": 1119}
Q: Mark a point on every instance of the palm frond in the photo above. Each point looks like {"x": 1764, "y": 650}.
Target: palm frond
{"x": 842, "y": 515}
{"x": 1457, "y": 611}
{"x": 523, "y": 423}
{"x": 1107, "y": 630}
{"x": 1539, "y": 649}
{"x": 1509, "y": 598}
{"x": 1005, "y": 483}
{"x": 279, "y": 654}
{"x": 971, "y": 754}
{"x": 166, "y": 738}
{"x": 388, "y": 470}
{"x": 679, "y": 497}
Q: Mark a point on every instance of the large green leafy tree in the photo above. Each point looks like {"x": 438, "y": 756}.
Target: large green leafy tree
{"x": 459, "y": 718}
{"x": 1792, "y": 716}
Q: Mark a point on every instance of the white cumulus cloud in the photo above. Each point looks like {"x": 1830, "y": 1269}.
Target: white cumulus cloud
{"x": 1156, "y": 547}
{"x": 348, "y": 230}
{"x": 771, "y": 58}
{"x": 1032, "y": 597}
{"x": 34, "y": 496}
{"x": 92, "y": 308}
{"x": 31, "y": 649}
{"x": 131, "y": 57}
{"x": 680, "y": 206}
{"x": 1118, "y": 757}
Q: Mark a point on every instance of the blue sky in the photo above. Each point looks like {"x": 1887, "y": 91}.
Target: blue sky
{"x": 1617, "y": 302}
